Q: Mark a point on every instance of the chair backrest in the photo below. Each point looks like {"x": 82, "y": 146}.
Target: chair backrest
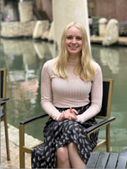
{"x": 3, "y": 73}
{"x": 107, "y": 99}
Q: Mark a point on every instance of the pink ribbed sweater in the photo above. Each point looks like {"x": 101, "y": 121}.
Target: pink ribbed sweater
{"x": 70, "y": 92}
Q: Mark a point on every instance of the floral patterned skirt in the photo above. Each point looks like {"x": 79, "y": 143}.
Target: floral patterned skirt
{"x": 57, "y": 134}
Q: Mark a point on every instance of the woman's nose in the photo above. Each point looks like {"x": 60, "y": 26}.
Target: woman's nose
{"x": 73, "y": 40}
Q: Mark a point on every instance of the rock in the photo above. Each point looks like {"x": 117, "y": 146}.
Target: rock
{"x": 102, "y": 26}
{"x": 111, "y": 33}
{"x": 45, "y": 35}
{"x": 40, "y": 28}
{"x": 37, "y": 30}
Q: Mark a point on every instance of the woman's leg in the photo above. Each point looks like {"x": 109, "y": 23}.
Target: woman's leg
{"x": 63, "y": 160}
{"x": 75, "y": 159}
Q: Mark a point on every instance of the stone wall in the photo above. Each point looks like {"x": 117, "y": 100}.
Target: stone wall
{"x": 26, "y": 11}
{"x": 17, "y": 29}
{"x": 108, "y": 9}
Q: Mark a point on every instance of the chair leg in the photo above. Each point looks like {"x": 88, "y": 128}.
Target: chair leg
{"x": 108, "y": 138}
{"x": 6, "y": 137}
{"x": 21, "y": 144}
{"x": 22, "y": 160}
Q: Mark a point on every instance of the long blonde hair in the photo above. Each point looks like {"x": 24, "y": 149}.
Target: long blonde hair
{"x": 84, "y": 68}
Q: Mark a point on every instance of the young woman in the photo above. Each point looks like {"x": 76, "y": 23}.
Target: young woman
{"x": 69, "y": 79}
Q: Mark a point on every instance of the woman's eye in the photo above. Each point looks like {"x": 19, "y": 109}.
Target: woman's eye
{"x": 79, "y": 38}
{"x": 69, "y": 37}
{"x": 76, "y": 38}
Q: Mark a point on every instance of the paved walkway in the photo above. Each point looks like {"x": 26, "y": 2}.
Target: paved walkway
{"x": 14, "y": 148}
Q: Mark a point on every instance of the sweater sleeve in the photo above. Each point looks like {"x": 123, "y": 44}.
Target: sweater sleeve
{"x": 96, "y": 97}
{"x": 46, "y": 92}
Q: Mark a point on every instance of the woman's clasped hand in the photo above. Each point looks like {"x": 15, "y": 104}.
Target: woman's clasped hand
{"x": 69, "y": 114}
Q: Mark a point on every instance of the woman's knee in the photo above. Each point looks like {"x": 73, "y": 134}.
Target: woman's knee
{"x": 62, "y": 154}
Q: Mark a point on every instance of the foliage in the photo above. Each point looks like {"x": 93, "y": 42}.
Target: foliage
{"x": 91, "y": 6}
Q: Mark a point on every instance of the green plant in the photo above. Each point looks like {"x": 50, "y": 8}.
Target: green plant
{"x": 91, "y": 6}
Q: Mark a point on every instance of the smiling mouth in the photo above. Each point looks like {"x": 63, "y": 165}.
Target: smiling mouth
{"x": 73, "y": 47}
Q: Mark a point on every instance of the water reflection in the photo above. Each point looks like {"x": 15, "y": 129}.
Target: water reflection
{"x": 113, "y": 61}
{"x": 25, "y": 57}
{"x": 24, "y": 60}
{"x": 110, "y": 57}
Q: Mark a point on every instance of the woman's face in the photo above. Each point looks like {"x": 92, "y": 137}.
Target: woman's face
{"x": 73, "y": 42}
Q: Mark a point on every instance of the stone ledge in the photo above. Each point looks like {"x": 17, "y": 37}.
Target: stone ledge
{"x": 14, "y": 136}
{"x": 17, "y": 29}
{"x": 13, "y": 148}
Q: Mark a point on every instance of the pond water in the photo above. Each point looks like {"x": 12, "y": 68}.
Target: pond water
{"x": 24, "y": 59}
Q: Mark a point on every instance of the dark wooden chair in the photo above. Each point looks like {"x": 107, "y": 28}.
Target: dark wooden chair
{"x": 105, "y": 115}
{"x": 107, "y": 160}
{"x": 3, "y": 99}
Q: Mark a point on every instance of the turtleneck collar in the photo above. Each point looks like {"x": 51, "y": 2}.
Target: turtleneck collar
{"x": 73, "y": 62}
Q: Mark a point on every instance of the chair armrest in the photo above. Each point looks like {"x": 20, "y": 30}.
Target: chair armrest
{"x": 33, "y": 119}
{"x": 99, "y": 125}
{"x": 5, "y": 99}
{"x": 2, "y": 102}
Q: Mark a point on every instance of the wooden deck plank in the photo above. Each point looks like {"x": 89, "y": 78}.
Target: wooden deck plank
{"x": 102, "y": 160}
{"x": 93, "y": 160}
{"x": 122, "y": 163}
{"x": 112, "y": 161}
{"x": 106, "y": 160}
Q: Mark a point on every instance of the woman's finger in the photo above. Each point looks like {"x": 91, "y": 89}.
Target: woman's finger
{"x": 73, "y": 116}
{"x": 71, "y": 110}
{"x": 74, "y": 111}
